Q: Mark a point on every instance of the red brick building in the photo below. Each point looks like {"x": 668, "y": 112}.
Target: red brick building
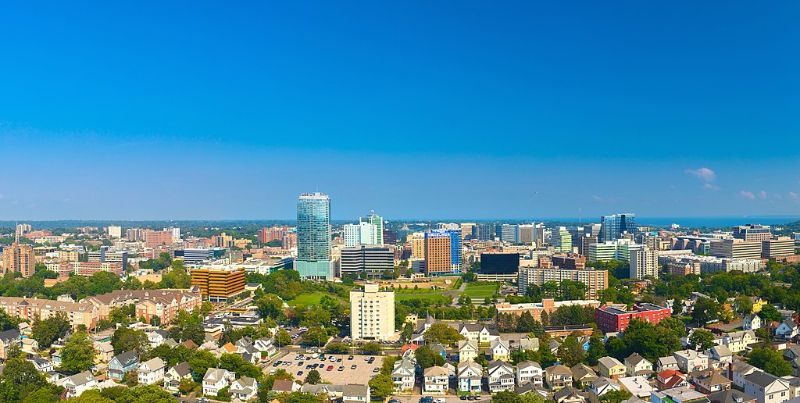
{"x": 611, "y": 318}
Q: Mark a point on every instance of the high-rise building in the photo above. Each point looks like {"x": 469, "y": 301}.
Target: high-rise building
{"x": 371, "y": 314}
{"x": 778, "y": 247}
{"x": 23, "y": 229}
{"x": 363, "y": 233}
{"x": 509, "y": 233}
{"x": 114, "y": 231}
{"x": 569, "y": 261}
{"x": 467, "y": 230}
{"x": 539, "y": 235}
{"x": 612, "y": 226}
{"x": 526, "y": 234}
{"x": 372, "y": 260}
{"x": 19, "y": 258}
{"x": 561, "y": 240}
{"x": 218, "y": 284}
{"x": 157, "y": 238}
{"x": 752, "y": 232}
{"x": 643, "y": 262}
{"x": 176, "y": 234}
{"x": 442, "y": 252}
{"x": 417, "y": 241}
{"x": 314, "y": 236}
{"x": 484, "y": 232}
{"x": 735, "y": 248}
{"x": 377, "y": 224}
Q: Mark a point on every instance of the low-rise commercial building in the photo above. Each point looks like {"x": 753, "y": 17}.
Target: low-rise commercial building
{"x": 610, "y": 318}
{"x": 218, "y": 284}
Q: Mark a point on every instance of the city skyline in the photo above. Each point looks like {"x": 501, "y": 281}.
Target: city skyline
{"x": 212, "y": 112}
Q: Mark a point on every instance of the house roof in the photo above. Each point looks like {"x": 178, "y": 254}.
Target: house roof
{"x": 127, "y": 358}
{"x": 670, "y": 360}
{"x": 581, "y": 371}
{"x": 282, "y": 385}
{"x": 558, "y": 370}
{"x": 730, "y": 396}
{"x": 81, "y": 378}
{"x": 721, "y": 351}
{"x": 9, "y": 335}
{"x": 761, "y": 378}
{"x": 153, "y": 364}
{"x": 355, "y": 390}
{"x": 215, "y": 374}
{"x": 634, "y": 359}
{"x": 182, "y": 369}
{"x": 436, "y": 371}
{"x": 527, "y": 364}
{"x": 609, "y": 362}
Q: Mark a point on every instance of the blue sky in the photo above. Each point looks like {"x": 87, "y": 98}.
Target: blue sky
{"x": 194, "y": 110}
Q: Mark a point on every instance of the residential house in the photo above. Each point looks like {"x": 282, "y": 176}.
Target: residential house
{"x": 568, "y": 395}
{"x": 478, "y": 333}
{"x": 678, "y": 395}
{"x": 709, "y": 381}
{"x": 731, "y": 396}
{"x": 766, "y": 388}
{"x": 738, "y": 370}
{"x": 470, "y": 375}
{"x": 42, "y": 364}
{"x": 151, "y": 371}
{"x": 610, "y": 367}
{"x": 174, "y": 376}
{"x": 467, "y": 350}
{"x": 738, "y": 341}
{"x": 582, "y": 374}
{"x": 635, "y": 364}
{"x": 601, "y": 386}
{"x": 528, "y": 343}
{"x": 665, "y": 363}
{"x": 216, "y": 379}
{"x": 786, "y": 330}
{"x": 266, "y": 347}
{"x": 7, "y": 339}
{"x": 435, "y": 380}
{"x": 557, "y": 376}
{"x": 403, "y": 375}
{"x": 637, "y": 386}
{"x": 691, "y": 360}
{"x": 751, "y": 322}
{"x": 76, "y": 384}
{"x": 720, "y": 356}
{"x": 530, "y": 371}
{"x": 669, "y": 379}
{"x": 243, "y": 389}
{"x": 792, "y": 354}
{"x": 156, "y": 337}
{"x": 121, "y": 364}
{"x": 500, "y": 350}
{"x": 355, "y": 394}
{"x": 501, "y": 376}
{"x": 285, "y": 386}
{"x": 103, "y": 352}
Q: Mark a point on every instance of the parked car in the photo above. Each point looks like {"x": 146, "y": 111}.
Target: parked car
{"x": 341, "y": 368}
{"x": 426, "y": 399}
{"x": 299, "y": 373}
{"x": 350, "y": 358}
{"x": 354, "y": 366}
{"x": 330, "y": 368}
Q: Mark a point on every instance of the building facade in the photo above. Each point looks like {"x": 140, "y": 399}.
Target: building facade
{"x": 371, "y": 313}
{"x": 314, "y": 237}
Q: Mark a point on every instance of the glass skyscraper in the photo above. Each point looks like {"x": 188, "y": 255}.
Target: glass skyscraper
{"x": 612, "y": 226}
{"x": 314, "y": 236}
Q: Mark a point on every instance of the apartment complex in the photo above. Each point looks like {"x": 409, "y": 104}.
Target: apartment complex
{"x": 164, "y": 304}
{"x": 218, "y": 284}
{"x": 570, "y": 261}
{"x": 613, "y": 318}
{"x": 371, "y": 313}
{"x": 442, "y": 252}
{"x": 595, "y": 280}
{"x": 158, "y": 238}
{"x": 696, "y": 264}
{"x": 314, "y": 236}
{"x": 19, "y": 258}
{"x": 536, "y": 309}
{"x": 78, "y": 313}
{"x": 372, "y": 260}
{"x": 643, "y": 262}
{"x": 88, "y": 269}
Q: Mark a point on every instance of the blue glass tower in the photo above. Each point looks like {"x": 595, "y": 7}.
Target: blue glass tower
{"x": 314, "y": 237}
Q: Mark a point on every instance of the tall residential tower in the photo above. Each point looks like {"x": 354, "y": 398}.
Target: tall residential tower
{"x": 314, "y": 237}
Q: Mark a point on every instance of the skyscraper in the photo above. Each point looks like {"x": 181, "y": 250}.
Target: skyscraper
{"x": 561, "y": 240}
{"x": 19, "y": 258}
{"x": 442, "y": 252}
{"x": 612, "y": 226}
{"x": 314, "y": 236}
{"x": 377, "y": 221}
{"x": 363, "y": 233}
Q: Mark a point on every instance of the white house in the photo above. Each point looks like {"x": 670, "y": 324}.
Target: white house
{"x": 478, "y": 333}
{"x": 665, "y": 363}
{"x": 720, "y": 356}
{"x": 530, "y": 371}
{"x": 738, "y": 341}
{"x": 691, "y": 360}
{"x": 174, "y": 376}
{"x": 603, "y": 385}
{"x": 766, "y": 388}
{"x": 151, "y": 371}
{"x": 635, "y": 364}
{"x": 501, "y": 376}
{"x": 470, "y": 375}
{"x": 156, "y": 337}
{"x": 216, "y": 379}
{"x": 244, "y": 388}
{"x": 467, "y": 350}
{"x": 500, "y": 350}
{"x": 435, "y": 380}
{"x": 751, "y": 322}
{"x": 266, "y": 347}
{"x": 739, "y": 370}
{"x": 78, "y": 383}
{"x": 355, "y": 394}
{"x": 403, "y": 375}
{"x": 637, "y": 386}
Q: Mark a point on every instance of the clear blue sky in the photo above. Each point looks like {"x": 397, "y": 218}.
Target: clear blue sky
{"x": 194, "y": 110}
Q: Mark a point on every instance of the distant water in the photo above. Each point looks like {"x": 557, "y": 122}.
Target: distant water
{"x": 694, "y": 222}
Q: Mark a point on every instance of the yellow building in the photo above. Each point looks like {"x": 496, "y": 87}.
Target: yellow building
{"x": 417, "y": 245}
{"x": 758, "y": 304}
{"x": 218, "y": 284}
{"x": 19, "y": 258}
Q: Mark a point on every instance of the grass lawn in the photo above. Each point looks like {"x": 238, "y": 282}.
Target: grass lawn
{"x": 423, "y": 294}
{"x": 481, "y": 290}
{"x": 307, "y": 299}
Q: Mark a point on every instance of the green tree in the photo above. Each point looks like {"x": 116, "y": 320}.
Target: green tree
{"x": 427, "y": 358}
{"x": 381, "y": 386}
{"x": 78, "y": 353}
{"x": 315, "y": 336}
{"x": 188, "y": 326}
{"x": 47, "y": 331}
{"x": 596, "y": 351}
{"x": 570, "y": 352}
{"x": 200, "y": 362}
{"x": 769, "y": 313}
{"x": 282, "y": 338}
{"x": 701, "y": 339}
{"x": 770, "y": 361}
{"x": 7, "y": 322}
{"x": 442, "y": 333}
{"x": 125, "y": 339}
{"x": 705, "y": 310}
{"x": 371, "y": 349}
{"x": 45, "y": 394}
{"x": 270, "y": 306}
{"x": 313, "y": 377}
{"x": 615, "y": 396}
{"x": 19, "y": 379}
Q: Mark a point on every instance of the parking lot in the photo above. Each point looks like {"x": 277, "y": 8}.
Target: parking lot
{"x": 341, "y": 371}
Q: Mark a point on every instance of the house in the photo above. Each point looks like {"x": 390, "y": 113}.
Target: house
{"x": 530, "y": 371}
{"x": 669, "y": 379}
{"x": 751, "y": 322}
{"x": 501, "y": 376}
{"x": 738, "y": 370}
{"x": 76, "y": 384}
{"x": 635, "y": 364}
{"x": 690, "y": 360}
{"x": 285, "y": 386}
{"x": 7, "y": 339}
{"x": 786, "y": 330}
{"x": 528, "y": 343}
{"x": 174, "y": 376}
{"x": 553, "y": 345}
{"x": 678, "y": 395}
{"x": 557, "y": 377}
{"x": 610, "y": 367}
{"x": 42, "y": 364}
{"x": 216, "y": 379}
{"x": 738, "y": 341}
{"x": 731, "y": 396}
{"x": 330, "y": 392}
{"x": 157, "y": 337}
{"x": 582, "y": 374}
{"x": 151, "y": 371}
{"x": 244, "y": 389}
{"x": 248, "y": 351}
{"x": 266, "y": 347}
{"x": 792, "y": 354}
{"x": 355, "y": 394}
{"x": 435, "y": 380}
{"x": 766, "y": 388}
{"x": 709, "y": 381}
{"x": 720, "y": 356}
{"x": 469, "y": 376}
{"x": 637, "y": 386}
{"x": 500, "y": 350}
{"x": 478, "y": 333}
{"x": 467, "y": 350}
{"x": 121, "y": 364}
{"x": 601, "y": 386}
{"x": 568, "y": 395}
{"x": 104, "y": 352}
{"x": 665, "y": 363}
{"x": 403, "y": 375}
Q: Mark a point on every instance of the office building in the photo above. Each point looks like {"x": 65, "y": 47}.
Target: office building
{"x": 613, "y": 226}
{"x": 509, "y": 233}
{"x": 602, "y": 252}
{"x": 114, "y": 231}
{"x": 643, "y": 262}
{"x": 499, "y": 263}
{"x": 752, "y": 232}
{"x": 569, "y": 261}
{"x": 595, "y": 280}
{"x": 468, "y": 230}
{"x": 372, "y": 314}
{"x": 377, "y": 225}
{"x": 389, "y": 236}
{"x": 613, "y": 318}
{"x": 314, "y": 237}
{"x": 218, "y": 284}
{"x": 374, "y": 261}
{"x": 19, "y": 258}
{"x": 157, "y": 238}
{"x": 776, "y": 248}
{"x": 526, "y": 234}
{"x": 539, "y": 235}
{"x": 193, "y": 256}
{"x": 735, "y": 249}
{"x": 484, "y": 232}
{"x": 442, "y": 252}
{"x": 561, "y": 240}
{"x": 584, "y": 242}
{"x": 363, "y": 233}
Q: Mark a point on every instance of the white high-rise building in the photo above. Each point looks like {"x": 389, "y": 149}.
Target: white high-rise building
{"x": 643, "y": 262}
{"x": 371, "y": 313}
{"x": 363, "y": 233}
{"x": 114, "y": 231}
{"x": 176, "y": 234}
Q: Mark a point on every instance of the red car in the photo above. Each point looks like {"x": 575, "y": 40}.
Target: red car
{"x": 330, "y": 368}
